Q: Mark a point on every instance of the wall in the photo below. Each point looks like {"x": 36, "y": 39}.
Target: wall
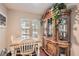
{"x": 14, "y": 18}
{"x": 75, "y": 31}
{"x": 3, "y": 40}
{"x": 13, "y": 27}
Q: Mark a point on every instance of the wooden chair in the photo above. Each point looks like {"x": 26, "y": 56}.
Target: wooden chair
{"x": 25, "y": 48}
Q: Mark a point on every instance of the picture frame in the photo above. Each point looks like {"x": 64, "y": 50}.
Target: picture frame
{"x": 2, "y": 21}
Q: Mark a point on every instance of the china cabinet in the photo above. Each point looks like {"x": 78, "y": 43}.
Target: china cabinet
{"x": 56, "y": 38}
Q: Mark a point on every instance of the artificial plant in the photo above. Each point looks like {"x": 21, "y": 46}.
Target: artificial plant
{"x": 57, "y": 10}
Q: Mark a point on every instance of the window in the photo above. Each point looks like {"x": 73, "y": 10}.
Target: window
{"x": 35, "y": 28}
{"x": 29, "y": 28}
{"x": 25, "y": 26}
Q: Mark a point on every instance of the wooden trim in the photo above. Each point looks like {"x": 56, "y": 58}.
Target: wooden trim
{"x": 46, "y": 52}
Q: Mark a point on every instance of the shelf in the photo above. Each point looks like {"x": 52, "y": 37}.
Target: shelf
{"x": 58, "y": 42}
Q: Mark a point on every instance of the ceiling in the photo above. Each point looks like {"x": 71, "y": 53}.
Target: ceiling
{"x": 35, "y": 8}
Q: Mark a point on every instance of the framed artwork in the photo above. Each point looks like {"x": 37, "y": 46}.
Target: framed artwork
{"x": 2, "y": 21}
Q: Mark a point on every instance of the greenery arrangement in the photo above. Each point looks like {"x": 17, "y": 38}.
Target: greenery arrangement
{"x": 57, "y": 10}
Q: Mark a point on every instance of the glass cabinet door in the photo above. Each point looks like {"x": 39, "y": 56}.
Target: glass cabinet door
{"x": 62, "y": 27}
{"x": 49, "y": 27}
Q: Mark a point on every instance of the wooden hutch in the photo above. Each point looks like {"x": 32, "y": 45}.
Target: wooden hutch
{"x": 56, "y": 34}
